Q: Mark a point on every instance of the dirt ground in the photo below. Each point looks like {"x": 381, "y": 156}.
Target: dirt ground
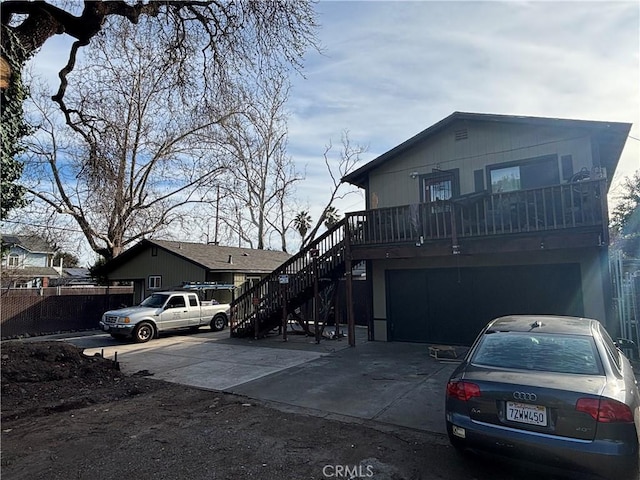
{"x": 69, "y": 416}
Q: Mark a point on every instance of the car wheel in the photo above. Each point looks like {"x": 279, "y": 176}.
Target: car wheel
{"x": 143, "y": 332}
{"x": 218, "y": 322}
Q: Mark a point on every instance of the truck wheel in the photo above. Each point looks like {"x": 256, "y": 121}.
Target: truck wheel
{"x": 143, "y": 332}
{"x": 218, "y": 322}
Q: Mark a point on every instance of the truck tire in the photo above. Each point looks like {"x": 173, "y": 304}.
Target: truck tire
{"x": 143, "y": 332}
{"x": 218, "y": 322}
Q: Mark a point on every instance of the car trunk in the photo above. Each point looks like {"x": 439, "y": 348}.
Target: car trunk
{"x": 534, "y": 401}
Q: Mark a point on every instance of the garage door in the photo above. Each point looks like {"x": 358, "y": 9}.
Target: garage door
{"x": 451, "y": 305}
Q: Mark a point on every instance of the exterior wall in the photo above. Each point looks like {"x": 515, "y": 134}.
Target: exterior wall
{"x": 27, "y": 259}
{"x": 488, "y": 143}
{"x": 173, "y": 270}
{"x": 594, "y": 275}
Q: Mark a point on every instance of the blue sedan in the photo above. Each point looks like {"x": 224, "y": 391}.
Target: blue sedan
{"x": 551, "y": 390}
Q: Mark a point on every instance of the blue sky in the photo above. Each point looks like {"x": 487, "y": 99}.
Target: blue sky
{"x": 390, "y": 69}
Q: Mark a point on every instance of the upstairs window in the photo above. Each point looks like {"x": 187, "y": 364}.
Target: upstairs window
{"x": 439, "y": 186}
{"x": 155, "y": 282}
{"x": 524, "y": 174}
{"x": 13, "y": 261}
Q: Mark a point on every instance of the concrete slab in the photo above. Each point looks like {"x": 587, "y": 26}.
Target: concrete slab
{"x": 394, "y": 384}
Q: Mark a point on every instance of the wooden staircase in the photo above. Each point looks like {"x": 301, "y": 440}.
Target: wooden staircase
{"x": 316, "y": 268}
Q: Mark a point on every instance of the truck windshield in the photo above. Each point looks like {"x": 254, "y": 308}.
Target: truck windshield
{"x": 154, "y": 301}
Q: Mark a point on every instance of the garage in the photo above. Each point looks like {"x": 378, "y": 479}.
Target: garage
{"x": 450, "y": 305}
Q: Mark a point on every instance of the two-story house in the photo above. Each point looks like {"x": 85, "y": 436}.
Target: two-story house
{"x": 485, "y": 215}
{"x": 27, "y": 262}
{"x": 477, "y": 216}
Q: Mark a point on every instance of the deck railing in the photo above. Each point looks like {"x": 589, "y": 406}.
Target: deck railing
{"x": 566, "y": 206}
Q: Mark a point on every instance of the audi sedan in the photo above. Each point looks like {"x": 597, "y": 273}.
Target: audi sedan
{"x": 555, "y": 391}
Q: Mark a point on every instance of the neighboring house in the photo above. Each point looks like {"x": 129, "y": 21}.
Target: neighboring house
{"x": 159, "y": 265}
{"x": 27, "y": 262}
{"x": 74, "y": 277}
{"x": 475, "y": 217}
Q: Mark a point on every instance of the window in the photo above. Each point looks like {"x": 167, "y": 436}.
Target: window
{"x": 13, "y": 261}
{"x": 612, "y": 350}
{"x": 524, "y": 174}
{"x": 176, "y": 302}
{"x": 439, "y": 186}
{"x": 193, "y": 301}
{"x": 542, "y": 352}
{"x": 154, "y": 251}
{"x": 155, "y": 282}
{"x": 505, "y": 179}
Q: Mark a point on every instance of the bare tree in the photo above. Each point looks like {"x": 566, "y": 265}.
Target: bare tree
{"x": 349, "y": 157}
{"x": 263, "y": 174}
{"x": 140, "y": 148}
{"x": 226, "y": 36}
{"x": 225, "y": 33}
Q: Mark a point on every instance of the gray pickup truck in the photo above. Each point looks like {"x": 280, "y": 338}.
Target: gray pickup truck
{"x": 164, "y": 311}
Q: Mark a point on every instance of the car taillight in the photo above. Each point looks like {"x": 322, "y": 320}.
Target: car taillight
{"x": 605, "y": 410}
{"x": 463, "y": 390}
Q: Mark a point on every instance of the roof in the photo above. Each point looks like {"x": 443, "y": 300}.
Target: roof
{"x": 611, "y": 137}
{"x": 31, "y": 243}
{"x": 547, "y": 324}
{"x": 210, "y": 257}
{"x": 31, "y": 272}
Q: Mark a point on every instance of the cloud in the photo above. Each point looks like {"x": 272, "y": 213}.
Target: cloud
{"x": 391, "y": 69}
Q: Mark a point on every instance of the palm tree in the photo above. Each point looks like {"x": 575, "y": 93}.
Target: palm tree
{"x": 331, "y": 217}
{"x": 302, "y": 222}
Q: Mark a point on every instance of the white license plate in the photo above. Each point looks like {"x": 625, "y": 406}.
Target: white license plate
{"x": 525, "y": 413}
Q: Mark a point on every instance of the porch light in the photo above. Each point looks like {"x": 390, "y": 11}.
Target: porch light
{"x": 414, "y": 174}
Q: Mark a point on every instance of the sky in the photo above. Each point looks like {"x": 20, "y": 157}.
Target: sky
{"x": 389, "y": 69}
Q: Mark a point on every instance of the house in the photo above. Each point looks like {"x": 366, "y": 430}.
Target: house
{"x": 161, "y": 264}
{"x": 27, "y": 262}
{"x": 477, "y": 216}
{"x": 74, "y": 277}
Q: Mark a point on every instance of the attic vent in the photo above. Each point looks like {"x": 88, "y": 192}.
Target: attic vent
{"x": 461, "y": 134}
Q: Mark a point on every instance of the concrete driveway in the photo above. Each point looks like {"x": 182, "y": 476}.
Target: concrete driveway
{"x": 391, "y": 383}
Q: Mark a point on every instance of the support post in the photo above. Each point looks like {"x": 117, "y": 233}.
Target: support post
{"x": 351, "y": 327}
{"x": 316, "y": 299}
{"x": 283, "y": 291}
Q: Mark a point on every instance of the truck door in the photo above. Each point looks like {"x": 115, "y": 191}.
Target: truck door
{"x": 175, "y": 314}
{"x": 194, "y": 310}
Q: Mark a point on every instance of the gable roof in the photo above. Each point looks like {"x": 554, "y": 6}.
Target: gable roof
{"x": 30, "y": 243}
{"x": 611, "y": 137}
{"x": 210, "y": 257}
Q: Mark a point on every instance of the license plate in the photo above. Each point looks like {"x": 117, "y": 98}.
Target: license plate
{"x": 525, "y": 413}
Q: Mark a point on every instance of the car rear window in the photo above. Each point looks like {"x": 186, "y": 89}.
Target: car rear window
{"x": 539, "y": 352}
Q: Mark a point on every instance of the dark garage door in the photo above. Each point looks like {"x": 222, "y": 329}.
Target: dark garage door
{"x": 450, "y": 305}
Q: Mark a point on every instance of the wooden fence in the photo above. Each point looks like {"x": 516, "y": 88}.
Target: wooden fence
{"x": 42, "y": 311}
